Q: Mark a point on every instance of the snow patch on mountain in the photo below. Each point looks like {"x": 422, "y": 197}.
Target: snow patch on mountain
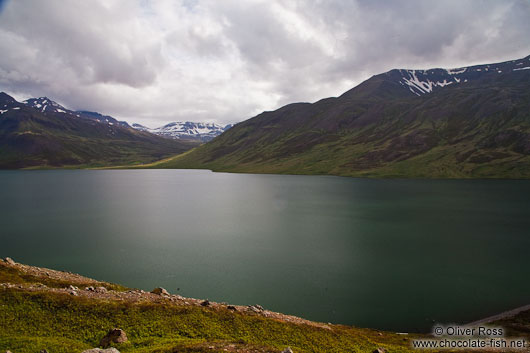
{"x": 456, "y": 71}
{"x": 44, "y": 104}
{"x": 424, "y": 85}
{"x": 186, "y": 130}
{"x": 421, "y": 82}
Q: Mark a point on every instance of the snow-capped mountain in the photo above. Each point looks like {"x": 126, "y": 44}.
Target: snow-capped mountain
{"x": 470, "y": 122}
{"x": 421, "y": 82}
{"x": 187, "y": 130}
{"x": 40, "y": 132}
{"x": 46, "y": 105}
{"x": 178, "y": 130}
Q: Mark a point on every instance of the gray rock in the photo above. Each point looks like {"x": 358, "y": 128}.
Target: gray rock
{"x": 116, "y": 335}
{"x": 160, "y": 291}
{"x": 255, "y": 308}
{"x": 231, "y": 307}
{"x": 101, "y": 290}
{"x": 10, "y": 261}
{"x": 379, "y": 350}
{"x": 43, "y": 351}
{"x": 8, "y": 351}
{"x": 99, "y": 350}
{"x": 90, "y": 289}
{"x": 287, "y": 350}
{"x": 206, "y": 303}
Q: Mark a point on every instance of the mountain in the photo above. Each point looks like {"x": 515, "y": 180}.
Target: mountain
{"x": 101, "y": 118}
{"x": 187, "y": 131}
{"x": 41, "y": 133}
{"x": 46, "y": 105}
{"x": 465, "y": 122}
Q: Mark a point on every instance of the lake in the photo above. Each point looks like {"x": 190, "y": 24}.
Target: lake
{"x": 387, "y": 254}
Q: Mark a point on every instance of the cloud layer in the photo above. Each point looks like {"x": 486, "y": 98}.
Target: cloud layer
{"x": 154, "y": 62}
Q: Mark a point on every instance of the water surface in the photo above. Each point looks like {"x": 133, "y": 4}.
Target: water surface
{"x": 389, "y": 254}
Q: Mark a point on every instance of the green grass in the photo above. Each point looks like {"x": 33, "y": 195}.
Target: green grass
{"x": 12, "y": 275}
{"x": 62, "y": 323}
{"x": 59, "y": 322}
{"x": 341, "y": 159}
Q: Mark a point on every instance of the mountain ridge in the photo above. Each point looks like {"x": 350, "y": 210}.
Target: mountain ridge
{"x": 42, "y": 133}
{"x": 187, "y": 130}
{"x": 402, "y": 123}
{"x": 192, "y": 131}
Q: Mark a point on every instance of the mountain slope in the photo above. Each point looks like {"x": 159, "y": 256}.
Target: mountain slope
{"x": 40, "y": 132}
{"x": 187, "y": 131}
{"x": 466, "y": 122}
{"x": 46, "y": 105}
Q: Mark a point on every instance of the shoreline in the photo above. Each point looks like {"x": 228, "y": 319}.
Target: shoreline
{"x": 500, "y": 316}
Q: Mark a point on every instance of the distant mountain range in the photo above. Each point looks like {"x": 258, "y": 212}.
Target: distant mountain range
{"x": 41, "y": 133}
{"x": 46, "y": 105}
{"x": 187, "y": 130}
{"x": 469, "y": 122}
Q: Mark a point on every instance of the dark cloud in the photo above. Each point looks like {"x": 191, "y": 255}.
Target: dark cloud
{"x": 224, "y": 61}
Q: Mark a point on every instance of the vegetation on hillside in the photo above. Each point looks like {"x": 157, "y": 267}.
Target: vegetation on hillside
{"x": 35, "y": 317}
{"x": 47, "y": 139}
{"x": 475, "y": 129}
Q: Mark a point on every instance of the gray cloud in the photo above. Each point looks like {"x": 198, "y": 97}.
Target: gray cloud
{"x": 205, "y": 60}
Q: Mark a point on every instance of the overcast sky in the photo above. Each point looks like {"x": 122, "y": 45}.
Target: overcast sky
{"x": 224, "y": 61}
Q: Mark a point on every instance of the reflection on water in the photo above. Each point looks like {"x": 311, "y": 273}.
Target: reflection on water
{"x": 390, "y": 254}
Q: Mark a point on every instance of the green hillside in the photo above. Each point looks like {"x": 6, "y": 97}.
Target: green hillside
{"x": 40, "y": 310}
{"x": 57, "y": 138}
{"x": 390, "y": 126}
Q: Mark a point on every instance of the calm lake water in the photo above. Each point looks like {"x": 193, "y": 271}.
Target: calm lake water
{"x": 389, "y": 254}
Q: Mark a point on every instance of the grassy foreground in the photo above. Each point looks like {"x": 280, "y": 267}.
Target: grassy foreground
{"x": 38, "y": 311}
{"x": 64, "y": 312}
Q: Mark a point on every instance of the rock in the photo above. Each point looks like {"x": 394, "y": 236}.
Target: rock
{"x": 160, "y": 291}
{"x": 74, "y": 288}
{"x": 43, "y": 351}
{"x": 379, "y": 350}
{"x": 99, "y": 350}
{"x": 8, "y": 351}
{"x": 10, "y": 261}
{"x": 115, "y": 335}
{"x": 287, "y": 350}
{"x": 101, "y": 290}
{"x": 206, "y": 303}
{"x": 255, "y": 308}
{"x": 90, "y": 289}
{"x": 231, "y": 307}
